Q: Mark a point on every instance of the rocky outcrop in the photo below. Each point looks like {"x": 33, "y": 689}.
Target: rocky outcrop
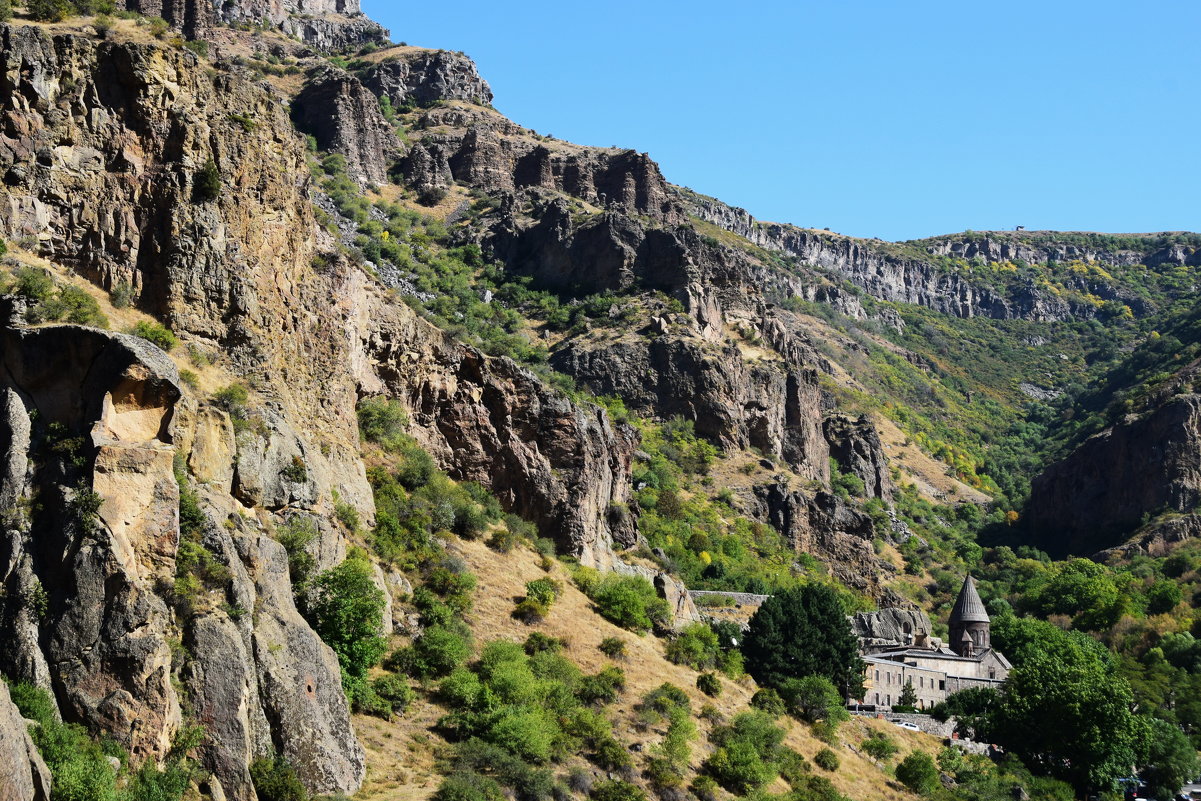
{"x": 856, "y": 446}
{"x": 345, "y": 118}
{"x": 488, "y": 152}
{"x": 562, "y": 465}
{"x": 1034, "y": 248}
{"x": 1104, "y": 488}
{"x": 769, "y": 405}
{"x": 23, "y": 774}
{"x": 422, "y": 77}
{"x": 192, "y": 17}
{"x": 329, "y": 25}
{"x": 826, "y": 526}
{"x": 891, "y": 627}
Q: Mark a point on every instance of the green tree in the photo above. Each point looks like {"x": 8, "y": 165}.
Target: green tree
{"x": 1067, "y": 713}
{"x": 803, "y": 632}
{"x": 918, "y": 772}
{"x": 48, "y": 10}
{"x": 346, "y": 609}
{"x": 1171, "y": 760}
{"x": 813, "y": 699}
{"x": 908, "y": 695}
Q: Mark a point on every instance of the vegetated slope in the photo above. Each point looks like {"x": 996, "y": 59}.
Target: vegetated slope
{"x": 405, "y": 751}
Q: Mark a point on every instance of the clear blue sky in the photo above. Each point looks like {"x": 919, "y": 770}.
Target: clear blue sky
{"x": 873, "y": 118}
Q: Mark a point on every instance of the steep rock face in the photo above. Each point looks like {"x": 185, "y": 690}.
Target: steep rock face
{"x": 331, "y": 25}
{"x": 1015, "y": 247}
{"x": 1145, "y": 466}
{"x": 23, "y": 774}
{"x": 824, "y": 525}
{"x": 770, "y": 406}
{"x": 109, "y": 417}
{"x": 422, "y": 77}
{"x": 856, "y": 447}
{"x": 564, "y": 466}
{"x": 101, "y": 145}
{"x": 345, "y": 118}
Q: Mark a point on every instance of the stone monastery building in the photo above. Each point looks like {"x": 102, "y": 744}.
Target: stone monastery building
{"x": 897, "y": 649}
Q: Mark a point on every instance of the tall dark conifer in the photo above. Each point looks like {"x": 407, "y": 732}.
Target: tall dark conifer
{"x": 803, "y": 632}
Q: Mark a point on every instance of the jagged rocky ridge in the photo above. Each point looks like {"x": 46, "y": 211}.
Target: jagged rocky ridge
{"x": 889, "y": 273}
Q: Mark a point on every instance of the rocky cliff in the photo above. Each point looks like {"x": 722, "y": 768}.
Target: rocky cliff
{"x": 901, "y": 274}
{"x": 1102, "y": 490}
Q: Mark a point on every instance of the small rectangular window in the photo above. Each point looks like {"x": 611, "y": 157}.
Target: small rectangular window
{"x": 942, "y": 685}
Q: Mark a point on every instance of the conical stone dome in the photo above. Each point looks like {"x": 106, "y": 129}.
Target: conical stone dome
{"x": 968, "y": 607}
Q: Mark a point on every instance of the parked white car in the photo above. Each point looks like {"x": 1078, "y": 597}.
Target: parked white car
{"x": 904, "y": 724}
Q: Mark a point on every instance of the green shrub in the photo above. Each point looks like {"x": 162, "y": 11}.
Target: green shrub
{"x": 919, "y": 773}
{"x": 826, "y": 759}
{"x": 48, "y": 10}
{"x": 207, "y": 183}
{"x": 383, "y": 421}
{"x": 73, "y": 305}
{"x": 630, "y": 601}
{"x": 616, "y": 790}
{"x": 880, "y": 746}
{"x": 709, "y": 684}
{"x": 396, "y": 691}
{"x": 155, "y": 334}
{"x": 295, "y": 535}
{"x": 703, "y": 787}
{"x": 346, "y": 609}
{"x": 813, "y": 699}
{"x": 233, "y": 399}
{"x": 769, "y": 701}
{"x": 468, "y": 787}
{"x": 275, "y": 780}
{"x": 793, "y": 767}
{"x": 438, "y": 651}
{"x": 613, "y": 647}
{"x": 543, "y": 590}
{"x": 527, "y": 732}
{"x": 603, "y": 687}
{"x": 32, "y": 284}
{"x": 538, "y": 643}
{"x": 696, "y": 646}
{"x": 78, "y": 766}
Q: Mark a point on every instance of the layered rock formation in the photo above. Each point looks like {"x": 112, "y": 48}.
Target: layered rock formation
{"x": 770, "y": 406}
{"x": 1104, "y": 488}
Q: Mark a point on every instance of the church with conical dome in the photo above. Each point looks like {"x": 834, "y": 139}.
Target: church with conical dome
{"x": 899, "y": 651}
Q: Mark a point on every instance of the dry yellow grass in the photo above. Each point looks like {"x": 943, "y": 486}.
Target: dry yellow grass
{"x": 401, "y": 753}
